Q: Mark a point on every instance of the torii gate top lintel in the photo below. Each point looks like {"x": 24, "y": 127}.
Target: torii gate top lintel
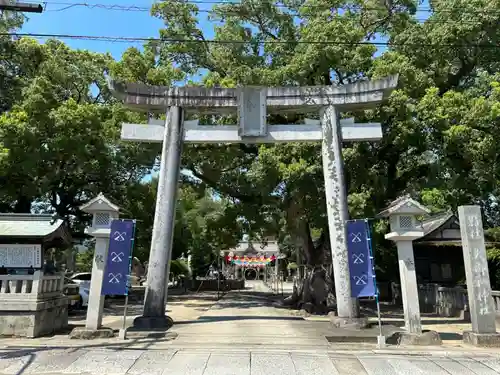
{"x": 251, "y": 105}
{"x": 353, "y": 96}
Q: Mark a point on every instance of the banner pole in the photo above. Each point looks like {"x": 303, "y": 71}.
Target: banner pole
{"x": 381, "y": 337}
{"x": 123, "y": 331}
{"x": 125, "y": 315}
{"x": 219, "y": 268}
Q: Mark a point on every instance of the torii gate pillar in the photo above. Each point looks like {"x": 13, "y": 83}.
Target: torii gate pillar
{"x": 252, "y": 105}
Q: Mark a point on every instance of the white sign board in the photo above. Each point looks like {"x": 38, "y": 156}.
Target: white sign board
{"x": 21, "y": 256}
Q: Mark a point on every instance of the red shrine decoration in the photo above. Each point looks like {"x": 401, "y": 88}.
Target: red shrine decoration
{"x": 252, "y": 261}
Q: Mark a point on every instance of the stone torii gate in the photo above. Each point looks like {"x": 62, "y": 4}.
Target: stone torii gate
{"x": 252, "y": 104}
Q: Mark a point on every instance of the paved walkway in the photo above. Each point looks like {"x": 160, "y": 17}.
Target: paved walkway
{"x": 220, "y": 362}
{"x": 241, "y": 334}
{"x": 247, "y": 318}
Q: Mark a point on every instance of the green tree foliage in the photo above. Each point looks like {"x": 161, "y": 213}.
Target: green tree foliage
{"x": 438, "y": 126}
{"x": 493, "y": 256}
{"x": 11, "y": 76}
{"x": 59, "y": 126}
{"x": 61, "y": 137}
{"x": 84, "y": 260}
{"x": 179, "y": 267}
{"x": 202, "y": 225}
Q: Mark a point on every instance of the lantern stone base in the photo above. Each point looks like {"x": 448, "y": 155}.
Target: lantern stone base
{"x": 152, "y": 323}
{"x": 482, "y": 339}
{"x": 349, "y": 323}
{"x": 35, "y": 318}
{"x": 426, "y": 338}
{"x": 83, "y": 333}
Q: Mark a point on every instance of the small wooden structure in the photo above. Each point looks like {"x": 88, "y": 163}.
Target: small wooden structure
{"x": 247, "y": 259}
{"x": 438, "y": 253}
{"x": 32, "y": 302}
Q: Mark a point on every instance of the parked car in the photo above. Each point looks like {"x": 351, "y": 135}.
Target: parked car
{"x": 72, "y": 291}
{"x": 82, "y": 279}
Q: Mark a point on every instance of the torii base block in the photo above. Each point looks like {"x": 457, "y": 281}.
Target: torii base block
{"x": 152, "y": 323}
{"x": 488, "y": 340}
{"x": 83, "y": 333}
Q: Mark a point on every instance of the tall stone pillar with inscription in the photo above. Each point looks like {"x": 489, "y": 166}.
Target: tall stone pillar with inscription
{"x": 163, "y": 227}
{"x": 103, "y": 212}
{"x": 482, "y": 308}
{"x": 252, "y": 104}
{"x": 338, "y": 214}
{"x": 405, "y": 228}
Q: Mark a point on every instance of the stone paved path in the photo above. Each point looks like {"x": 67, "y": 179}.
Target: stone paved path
{"x": 241, "y": 334}
{"x": 264, "y": 362}
{"x": 248, "y": 318}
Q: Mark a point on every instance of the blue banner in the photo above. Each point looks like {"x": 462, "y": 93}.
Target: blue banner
{"x": 117, "y": 270}
{"x": 360, "y": 259}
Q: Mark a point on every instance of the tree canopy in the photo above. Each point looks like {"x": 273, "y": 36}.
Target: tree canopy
{"x": 59, "y": 125}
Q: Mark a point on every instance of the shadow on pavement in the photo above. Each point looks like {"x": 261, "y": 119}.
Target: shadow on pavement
{"x": 450, "y": 336}
{"x": 211, "y": 319}
{"x": 238, "y": 300}
{"x": 15, "y": 352}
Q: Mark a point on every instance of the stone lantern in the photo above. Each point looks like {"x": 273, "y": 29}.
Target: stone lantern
{"x": 103, "y": 213}
{"x": 405, "y": 227}
{"x": 403, "y": 216}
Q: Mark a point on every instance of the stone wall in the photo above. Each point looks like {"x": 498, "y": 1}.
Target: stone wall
{"x": 45, "y": 318}
{"x": 448, "y": 302}
{"x": 32, "y": 305}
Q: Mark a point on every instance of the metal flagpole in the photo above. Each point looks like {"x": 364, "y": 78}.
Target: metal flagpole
{"x": 123, "y": 332}
{"x": 381, "y": 337}
{"x": 219, "y": 267}
{"x": 281, "y": 281}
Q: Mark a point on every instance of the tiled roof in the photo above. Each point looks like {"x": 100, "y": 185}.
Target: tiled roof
{"x": 436, "y": 221}
{"x": 99, "y": 203}
{"x": 28, "y": 225}
{"x": 399, "y": 203}
{"x": 248, "y": 247}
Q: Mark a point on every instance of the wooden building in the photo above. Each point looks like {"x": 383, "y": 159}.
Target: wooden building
{"x": 249, "y": 260}
{"x": 438, "y": 253}
{"x": 26, "y": 240}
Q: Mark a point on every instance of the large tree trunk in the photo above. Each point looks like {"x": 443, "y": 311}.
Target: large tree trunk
{"x": 316, "y": 292}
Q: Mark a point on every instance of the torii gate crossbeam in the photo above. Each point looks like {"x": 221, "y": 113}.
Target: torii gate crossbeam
{"x": 252, "y": 104}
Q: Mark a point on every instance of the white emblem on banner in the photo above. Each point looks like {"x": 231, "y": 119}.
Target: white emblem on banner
{"x": 117, "y": 257}
{"x": 119, "y": 236}
{"x": 360, "y": 280}
{"x": 114, "y": 278}
{"x": 356, "y": 237}
{"x": 358, "y": 258}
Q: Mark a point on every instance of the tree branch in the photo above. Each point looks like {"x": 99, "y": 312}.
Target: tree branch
{"x": 339, "y": 76}
{"x": 226, "y": 190}
{"x": 453, "y": 80}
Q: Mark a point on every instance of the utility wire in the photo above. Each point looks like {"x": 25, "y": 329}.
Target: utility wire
{"x": 278, "y": 5}
{"x": 131, "y": 8}
{"x": 137, "y": 8}
{"x": 118, "y": 39}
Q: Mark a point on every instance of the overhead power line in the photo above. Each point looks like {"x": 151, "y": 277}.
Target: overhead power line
{"x": 103, "y": 38}
{"x": 134, "y": 7}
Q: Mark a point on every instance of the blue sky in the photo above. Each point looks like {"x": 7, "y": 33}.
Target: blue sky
{"x": 79, "y": 20}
